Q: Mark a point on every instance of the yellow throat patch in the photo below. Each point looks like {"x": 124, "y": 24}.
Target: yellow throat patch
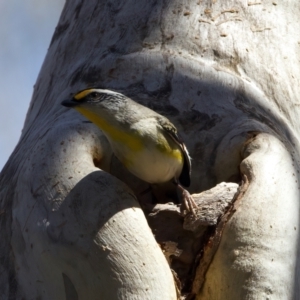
{"x": 118, "y": 135}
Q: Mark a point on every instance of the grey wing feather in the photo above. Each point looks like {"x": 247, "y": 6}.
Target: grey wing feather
{"x": 185, "y": 176}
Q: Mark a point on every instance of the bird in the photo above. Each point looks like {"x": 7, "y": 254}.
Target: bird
{"x": 145, "y": 142}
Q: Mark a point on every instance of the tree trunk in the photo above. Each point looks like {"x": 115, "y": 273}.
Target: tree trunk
{"x": 226, "y": 73}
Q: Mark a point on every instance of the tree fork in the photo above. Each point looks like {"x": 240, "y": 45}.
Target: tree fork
{"x": 226, "y": 74}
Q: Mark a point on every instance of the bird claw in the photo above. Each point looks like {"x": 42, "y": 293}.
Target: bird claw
{"x": 188, "y": 201}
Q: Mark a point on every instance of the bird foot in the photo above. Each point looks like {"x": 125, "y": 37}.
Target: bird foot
{"x": 188, "y": 201}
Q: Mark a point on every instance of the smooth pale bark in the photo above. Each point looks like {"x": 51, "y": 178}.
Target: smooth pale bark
{"x": 257, "y": 256}
{"x": 218, "y": 70}
{"x": 65, "y": 224}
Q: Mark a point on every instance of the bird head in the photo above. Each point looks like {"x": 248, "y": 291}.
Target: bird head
{"x": 96, "y": 104}
{"x": 93, "y": 98}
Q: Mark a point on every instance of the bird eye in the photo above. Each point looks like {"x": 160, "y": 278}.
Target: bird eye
{"x": 94, "y": 95}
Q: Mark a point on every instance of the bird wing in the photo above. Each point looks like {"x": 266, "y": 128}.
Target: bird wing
{"x": 185, "y": 176}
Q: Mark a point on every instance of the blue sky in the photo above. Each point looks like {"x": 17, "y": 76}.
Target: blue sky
{"x": 26, "y": 28}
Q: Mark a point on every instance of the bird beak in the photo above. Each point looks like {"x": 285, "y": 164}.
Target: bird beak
{"x": 69, "y": 103}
